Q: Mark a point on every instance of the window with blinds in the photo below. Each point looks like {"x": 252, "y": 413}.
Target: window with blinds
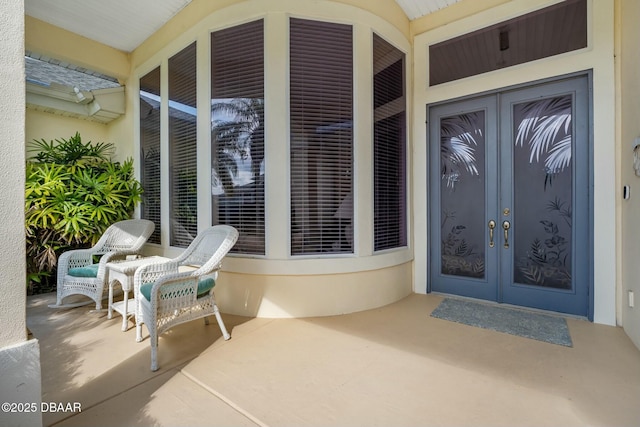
{"x": 237, "y": 133}
{"x": 150, "y": 149}
{"x": 389, "y": 146}
{"x": 183, "y": 177}
{"x": 321, "y": 117}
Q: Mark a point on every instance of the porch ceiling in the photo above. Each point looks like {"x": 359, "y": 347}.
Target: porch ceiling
{"x": 125, "y": 24}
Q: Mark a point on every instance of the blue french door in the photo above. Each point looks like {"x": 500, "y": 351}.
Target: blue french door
{"x": 509, "y": 197}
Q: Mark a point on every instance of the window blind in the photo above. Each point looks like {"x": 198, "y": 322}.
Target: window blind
{"x": 183, "y": 179}
{"x": 237, "y": 133}
{"x": 389, "y": 146}
{"x": 150, "y": 149}
{"x": 321, "y": 114}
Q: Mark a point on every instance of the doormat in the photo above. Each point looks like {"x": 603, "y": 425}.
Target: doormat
{"x": 522, "y": 323}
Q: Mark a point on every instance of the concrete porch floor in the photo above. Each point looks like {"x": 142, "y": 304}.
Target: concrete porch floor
{"x": 392, "y": 366}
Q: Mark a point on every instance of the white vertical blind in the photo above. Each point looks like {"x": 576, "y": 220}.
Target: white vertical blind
{"x": 321, "y": 104}
{"x": 237, "y": 133}
{"x": 390, "y": 217}
{"x": 150, "y": 149}
{"x": 183, "y": 177}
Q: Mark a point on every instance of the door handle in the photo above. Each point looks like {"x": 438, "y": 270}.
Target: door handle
{"x": 492, "y": 226}
{"x": 506, "y": 225}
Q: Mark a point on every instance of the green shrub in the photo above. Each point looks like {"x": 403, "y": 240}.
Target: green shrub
{"x": 73, "y": 192}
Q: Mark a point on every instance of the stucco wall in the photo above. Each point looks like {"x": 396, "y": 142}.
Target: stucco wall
{"x": 19, "y": 357}
{"x": 47, "y": 126}
{"x": 12, "y": 118}
{"x": 42, "y": 125}
{"x": 627, "y": 13}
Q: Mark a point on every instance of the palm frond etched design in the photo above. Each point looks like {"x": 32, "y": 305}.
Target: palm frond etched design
{"x": 546, "y": 128}
{"x": 459, "y": 137}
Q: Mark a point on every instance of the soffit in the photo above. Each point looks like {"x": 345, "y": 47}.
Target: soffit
{"x": 418, "y": 8}
{"x": 125, "y": 24}
{"x": 122, "y": 24}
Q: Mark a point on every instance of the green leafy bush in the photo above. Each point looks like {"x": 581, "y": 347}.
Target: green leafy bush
{"x": 73, "y": 192}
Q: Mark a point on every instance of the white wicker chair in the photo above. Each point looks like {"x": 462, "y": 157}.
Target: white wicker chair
{"x": 166, "y": 296}
{"x": 77, "y": 273}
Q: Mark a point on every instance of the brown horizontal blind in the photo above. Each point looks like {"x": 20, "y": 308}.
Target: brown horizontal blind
{"x": 321, "y": 114}
{"x": 237, "y": 133}
{"x": 389, "y": 146}
{"x": 183, "y": 179}
{"x": 149, "y": 98}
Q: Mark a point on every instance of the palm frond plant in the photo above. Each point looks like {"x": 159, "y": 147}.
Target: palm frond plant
{"x": 73, "y": 192}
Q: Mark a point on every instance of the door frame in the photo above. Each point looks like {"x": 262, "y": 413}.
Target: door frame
{"x": 588, "y": 74}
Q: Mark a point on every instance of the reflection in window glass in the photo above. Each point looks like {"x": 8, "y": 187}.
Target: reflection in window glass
{"x": 183, "y": 176}
{"x": 237, "y": 133}
{"x": 150, "y": 149}
{"x": 389, "y": 146}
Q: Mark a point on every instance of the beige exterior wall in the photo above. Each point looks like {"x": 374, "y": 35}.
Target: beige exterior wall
{"x": 47, "y": 126}
{"x": 19, "y": 356}
{"x": 12, "y": 118}
{"x": 597, "y": 57}
{"x": 201, "y": 10}
{"x": 628, "y": 72}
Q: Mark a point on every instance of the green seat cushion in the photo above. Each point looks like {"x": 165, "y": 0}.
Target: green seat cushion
{"x": 86, "y": 271}
{"x": 204, "y": 286}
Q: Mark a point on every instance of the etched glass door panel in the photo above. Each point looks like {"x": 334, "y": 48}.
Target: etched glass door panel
{"x": 509, "y": 195}
{"x": 543, "y": 196}
{"x": 462, "y": 194}
{"x": 463, "y": 198}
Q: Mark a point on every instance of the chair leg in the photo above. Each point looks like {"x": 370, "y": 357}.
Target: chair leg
{"x": 154, "y": 352}
{"x": 225, "y": 334}
{"x": 138, "y": 332}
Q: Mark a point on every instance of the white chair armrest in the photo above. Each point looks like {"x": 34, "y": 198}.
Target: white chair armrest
{"x": 176, "y": 285}
{"x": 71, "y": 259}
{"x": 151, "y": 272}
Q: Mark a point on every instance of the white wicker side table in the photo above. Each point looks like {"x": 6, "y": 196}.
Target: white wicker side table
{"x": 122, "y": 272}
